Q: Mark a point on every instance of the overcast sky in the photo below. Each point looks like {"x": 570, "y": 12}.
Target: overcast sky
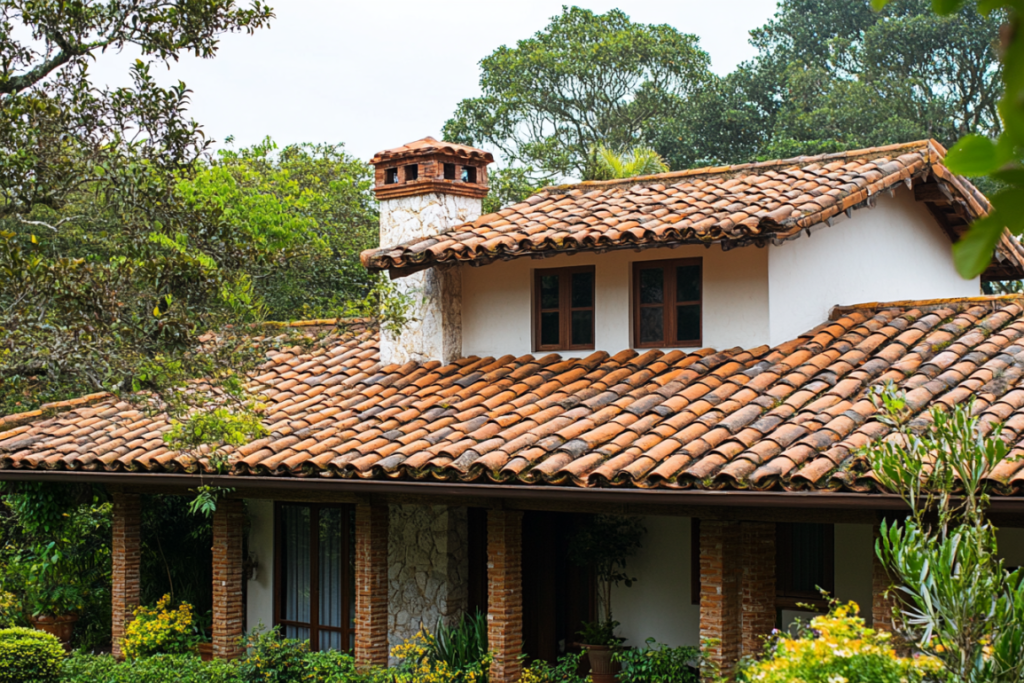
{"x": 376, "y": 74}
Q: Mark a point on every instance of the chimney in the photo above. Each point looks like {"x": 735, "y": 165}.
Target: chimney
{"x": 426, "y": 188}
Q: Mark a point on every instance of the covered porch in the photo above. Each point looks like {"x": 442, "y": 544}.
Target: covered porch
{"x": 361, "y": 573}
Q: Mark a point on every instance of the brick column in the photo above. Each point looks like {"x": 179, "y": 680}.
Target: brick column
{"x": 757, "y": 585}
{"x": 371, "y": 585}
{"x": 721, "y": 562}
{"x": 505, "y": 594}
{"x": 126, "y": 551}
{"x": 881, "y": 606}
{"x": 228, "y": 574}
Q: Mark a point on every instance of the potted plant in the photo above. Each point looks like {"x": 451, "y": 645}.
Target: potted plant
{"x": 54, "y": 593}
{"x": 605, "y": 544}
{"x": 204, "y": 628}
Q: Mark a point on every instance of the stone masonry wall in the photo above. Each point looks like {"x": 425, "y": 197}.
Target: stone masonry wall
{"x": 428, "y": 567}
{"x": 435, "y": 329}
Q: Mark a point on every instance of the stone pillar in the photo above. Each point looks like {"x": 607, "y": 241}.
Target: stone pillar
{"x": 881, "y": 604}
{"x": 757, "y": 586}
{"x": 371, "y": 585}
{"x": 721, "y": 563}
{"x": 126, "y": 555}
{"x": 228, "y": 574}
{"x": 505, "y": 594}
{"x": 428, "y": 568}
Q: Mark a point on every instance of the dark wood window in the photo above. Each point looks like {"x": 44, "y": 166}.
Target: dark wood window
{"x": 667, "y": 303}
{"x": 314, "y": 577}
{"x": 563, "y": 309}
{"x": 804, "y": 558}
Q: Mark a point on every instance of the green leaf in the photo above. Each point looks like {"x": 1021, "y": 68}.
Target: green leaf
{"x": 973, "y": 253}
{"x": 879, "y": 5}
{"x": 947, "y": 6}
{"x": 973, "y": 155}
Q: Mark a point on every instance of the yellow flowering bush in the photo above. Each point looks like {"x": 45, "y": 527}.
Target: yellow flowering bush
{"x": 837, "y": 648}
{"x": 9, "y": 609}
{"x": 417, "y": 666}
{"x": 159, "y": 630}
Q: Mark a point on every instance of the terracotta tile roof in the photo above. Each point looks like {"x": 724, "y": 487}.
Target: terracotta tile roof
{"x": 790, "y": 417}
{"x": 733, "y": 206}
{"x": 427, "y": 146}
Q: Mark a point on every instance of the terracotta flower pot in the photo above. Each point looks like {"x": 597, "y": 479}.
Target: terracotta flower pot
{"x": 602, "y": 668}
{"x": 206, "y": 652}
{"x": 62, "y": 627}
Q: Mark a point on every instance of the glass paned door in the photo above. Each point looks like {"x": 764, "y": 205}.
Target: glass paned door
{"x": 316, "y": 575}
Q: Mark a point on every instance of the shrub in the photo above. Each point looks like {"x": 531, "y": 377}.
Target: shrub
{"x": 82, "y": 668}
{"x": 330, "y": 666}
{"x": 836, "y": 648}
{"x": 28, "y": 656}
{"x": 565, "y": 670}
{"x": 273, "y": 658}
{"x": 418, "y": 663}
{"x": 10, "y": 610}
{"x": 158, "y": 630}
{"x": 462, "y": 646}
{"x": 655, "y": 663}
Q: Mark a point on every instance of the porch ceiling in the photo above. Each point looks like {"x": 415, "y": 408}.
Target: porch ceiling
{"x": 787, "y": 419}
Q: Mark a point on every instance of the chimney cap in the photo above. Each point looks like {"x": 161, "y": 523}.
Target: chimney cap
{"x": 429, "y": 146}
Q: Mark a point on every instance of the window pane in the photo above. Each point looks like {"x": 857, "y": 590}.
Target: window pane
{"x": 330, "y": 566}
{"x": 582, "y": 290}
{"x": 549, "y": 291}
{"x": 652, "y": 324}
{"x": 295, "y": 529}
{"x": 330, "y": 640}
{"x": 549, "y": 329}
{"x": 687, "y": 323}
{"x": 652, "y": 285}
{"x": 296, "y": 632}
{"x": 582, "y": 327}
{"x": 688, "y": 283}
{"x": 808, "y": 556}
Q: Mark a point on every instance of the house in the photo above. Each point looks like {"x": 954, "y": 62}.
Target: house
{"x": 695, "y": 347}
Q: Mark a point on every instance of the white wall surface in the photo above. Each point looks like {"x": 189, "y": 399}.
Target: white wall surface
{"x": 892, "y": 252}
{"x": 497, "y": 299}
{"x": 658, "y": 604}
{"x": 260, "y": 598}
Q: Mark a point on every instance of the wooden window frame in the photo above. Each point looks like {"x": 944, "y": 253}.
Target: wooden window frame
{"x": 787, "y": 598}
{"x": 668, "y": 305}
{"x": 564, "y": 306}
{"x": 347, "y": 632}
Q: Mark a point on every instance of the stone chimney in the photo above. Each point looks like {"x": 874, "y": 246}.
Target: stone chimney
{"x": 426, "y": 188}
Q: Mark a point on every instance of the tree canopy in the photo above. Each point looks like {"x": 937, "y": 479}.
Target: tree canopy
{"x": 585, "y": 79}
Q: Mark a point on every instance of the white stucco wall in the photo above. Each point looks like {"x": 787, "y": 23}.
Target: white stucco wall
{"x": 260, "y": 597}
{"x": 497, "y": 299}
{"x": 658, "y": 604}
{"x": 892, "y": 252}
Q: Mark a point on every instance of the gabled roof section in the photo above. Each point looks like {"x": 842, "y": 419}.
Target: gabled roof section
{"x": 789, "y": 418}
{"x": 731, "y": 206}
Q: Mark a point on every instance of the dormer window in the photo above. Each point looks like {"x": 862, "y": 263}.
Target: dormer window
{"x": 667, "y": 303}
{"x": 564, "y": 309}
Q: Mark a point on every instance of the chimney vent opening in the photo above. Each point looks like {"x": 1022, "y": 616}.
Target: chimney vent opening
{"x": 412, "y": 172}
{"x": 449, "y": 171}
{"x": 468, "y": 174}
{"x": 390, "y": 176}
